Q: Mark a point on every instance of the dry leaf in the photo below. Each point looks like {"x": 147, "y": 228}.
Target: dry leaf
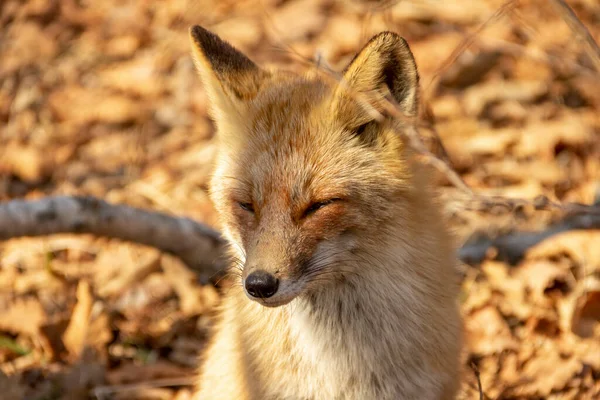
{"x": 549, "y": 371}
{"x": 112, "y": 279}
{"x": 580, "y": 246}
{"x": 478, "y": 97}
{"x": 22, "y": 315}
{"x": 488, "y": 333}
{"x": 142, "y": 373}
{"x": 76, "y": 333}
{"x": 82, "y": 106}
{"x": 586, "y": 314}
{"x": 541, "y": 277}
{"x": 296, "y": 20}
{"x": 194, "y": 300}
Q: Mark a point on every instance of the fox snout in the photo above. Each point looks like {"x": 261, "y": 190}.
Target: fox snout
{"x": 272, "y": 274}
{"x": 261, "y": 284}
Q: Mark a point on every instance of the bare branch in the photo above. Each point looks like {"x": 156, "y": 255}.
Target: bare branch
{"x": 512, "y": 247}
{"x": 580, "y": 31}
{"x": 505, "y": 8}
{"x": 478, "y": 377}
{"x": 199, "y": 246}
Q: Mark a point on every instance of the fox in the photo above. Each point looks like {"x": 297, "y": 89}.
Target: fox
{"x": 345, "y": 283}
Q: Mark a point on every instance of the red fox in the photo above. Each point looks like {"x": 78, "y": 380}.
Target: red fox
{"x": 347, "y": 281}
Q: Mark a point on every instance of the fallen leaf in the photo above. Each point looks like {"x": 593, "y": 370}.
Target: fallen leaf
{"x": 586, "y": 315}
{"x": 488, "y": 333}
{"x": 548, "y": 371}
{"x": 296, "y": 20}
{"x": 82, "y": 106}
{"x": 579, "y": 246}
{"x": 194, "y": 299}
{"x": 112, "y": 280}
{"x": 129, "y": 372}
{"x": 12, "y": 316}
{"x": 76, "y": 333}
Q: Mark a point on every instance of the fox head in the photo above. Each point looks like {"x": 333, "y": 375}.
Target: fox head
{"x": 312, "y": 172}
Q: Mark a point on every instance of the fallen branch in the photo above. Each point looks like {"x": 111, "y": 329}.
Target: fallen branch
{"x": 511, "y": 247}
{"x": 199, "y": 246}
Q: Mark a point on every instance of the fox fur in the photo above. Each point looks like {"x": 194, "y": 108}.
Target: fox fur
{"x": 314, "y": 185}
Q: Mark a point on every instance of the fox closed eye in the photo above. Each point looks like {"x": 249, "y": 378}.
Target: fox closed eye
{"x": 317, "y": 205}
{"x": 359, "y": 130}
{"x": 246, "y": 206}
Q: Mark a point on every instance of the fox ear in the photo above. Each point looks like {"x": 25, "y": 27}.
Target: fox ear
{"x": 230, "y": 78}
{"x": 384, "y": 67}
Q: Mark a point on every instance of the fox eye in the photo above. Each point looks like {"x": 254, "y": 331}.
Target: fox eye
{"x": 359, "y": 130}
{"x": 246, "y": 206}
{"x": 367, "y": 132}
{"x": 314, "y": 207}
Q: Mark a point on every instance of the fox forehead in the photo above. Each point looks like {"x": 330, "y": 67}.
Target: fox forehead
{"x": 291, "y": 146}
{"x": 287, "y": 112}
{"x": 288, "y": 142}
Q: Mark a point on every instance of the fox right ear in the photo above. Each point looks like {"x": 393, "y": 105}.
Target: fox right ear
{"x": 384, "y": 67}
{"x": 230, "y": 78}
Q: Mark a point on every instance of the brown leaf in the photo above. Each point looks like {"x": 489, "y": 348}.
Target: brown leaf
{"x": 542, "y": 276}
{"x": 488, "y": 333}
{"x": 514, "y": 301}
{"x": 183, "y": 394}
{"x": 29, "y": 163}
{"x": 141, "y": 76}
{"x": 76, "y": 333}
{"x": 580, "y": 246}
{"x": 22, "y": 315}
{"x": 243, "y": 33}
{"x": 586, "y": 316}
{"x": 194, "y": 300}
{"x": 79, "y": 105}
{"x": 540, "y": 139}
{"x": 25, "y": 44}
{"x": 112, "y": 280}
{"x": 478, "y": 97}
{"x": 296, "y": 20}
{"x": 129, "y": 373}
{"x": 549, "y": 371}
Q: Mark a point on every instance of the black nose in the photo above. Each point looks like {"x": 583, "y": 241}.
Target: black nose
{"x": 261, "y": 284}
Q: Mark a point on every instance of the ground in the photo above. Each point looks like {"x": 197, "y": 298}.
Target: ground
{"x": 101, "y": 98}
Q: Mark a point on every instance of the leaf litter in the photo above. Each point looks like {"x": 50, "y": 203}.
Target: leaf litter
{"x": 101, "y": 98}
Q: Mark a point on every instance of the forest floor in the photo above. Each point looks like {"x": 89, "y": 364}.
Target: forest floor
{"x": 101, "y": 98}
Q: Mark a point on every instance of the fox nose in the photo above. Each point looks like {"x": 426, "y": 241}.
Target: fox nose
{"x": 261, "y": 284}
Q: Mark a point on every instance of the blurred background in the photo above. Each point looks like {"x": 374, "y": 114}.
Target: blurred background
{"x": 101, "y": 98}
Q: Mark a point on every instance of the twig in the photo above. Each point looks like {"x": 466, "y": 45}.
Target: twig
{"x": 476, "y": 372}
{"x": 199, "y": 246}
{"x": 101, "y": 391}
{"x": 476, "y": 201}
{"x": 580, "y": 31}
{"x": 465, "y": 44}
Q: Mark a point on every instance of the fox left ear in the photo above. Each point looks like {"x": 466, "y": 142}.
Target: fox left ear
{"x": 230, "y": 78}
{"x": 384, "y": 67}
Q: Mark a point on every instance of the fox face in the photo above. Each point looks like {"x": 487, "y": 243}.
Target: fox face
{"x": 311, "y": 170}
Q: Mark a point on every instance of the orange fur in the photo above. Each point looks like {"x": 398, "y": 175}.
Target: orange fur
{"x": 366, "y": 306}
